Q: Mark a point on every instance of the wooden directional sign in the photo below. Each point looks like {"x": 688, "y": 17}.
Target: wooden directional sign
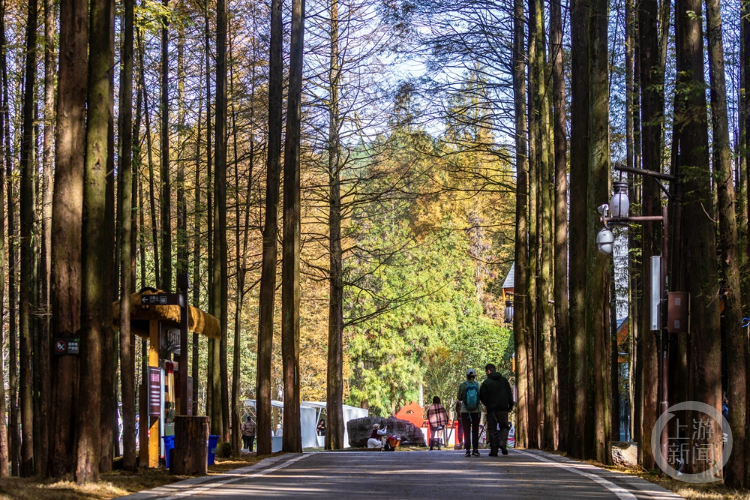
{"x": 65, "y": 346}
{"x": 164, "y": 299}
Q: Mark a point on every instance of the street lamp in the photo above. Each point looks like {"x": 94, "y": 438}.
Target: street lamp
{"x": 509, "y": 311}
{"x": 620, "y": 204}
{"x": 605, "y": 239}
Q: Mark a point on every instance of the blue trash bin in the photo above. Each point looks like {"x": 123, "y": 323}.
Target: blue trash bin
{"x": 213, "y": 440}
{"x": 168, "y": 446}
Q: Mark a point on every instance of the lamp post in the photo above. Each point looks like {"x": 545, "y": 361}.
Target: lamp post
{"x": 618, "y": 208}
{"x": 509, "y": 310}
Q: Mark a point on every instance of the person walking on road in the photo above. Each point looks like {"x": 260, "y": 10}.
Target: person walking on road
{"x": 497, "y": 398}
{"x": 438, "y": 418}
{"x": 248, "y": 434}
{"x": 471, "y": 413}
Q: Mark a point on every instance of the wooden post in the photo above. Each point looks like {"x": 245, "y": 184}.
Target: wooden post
{"x": 190, "y": 446}
{"x": 143, "y": 451}
{"x": 153, "y": 360}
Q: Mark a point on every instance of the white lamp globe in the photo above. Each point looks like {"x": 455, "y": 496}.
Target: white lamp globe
{"x": 620, "y": 203}
{"x": 605, "y": 241}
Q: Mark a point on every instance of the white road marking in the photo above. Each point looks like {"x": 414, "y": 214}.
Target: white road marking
{"x": 622, "y": 493}
{"x": 236, "y": 477}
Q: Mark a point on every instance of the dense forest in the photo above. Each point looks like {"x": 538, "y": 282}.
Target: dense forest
{"x": 347, "y": 183}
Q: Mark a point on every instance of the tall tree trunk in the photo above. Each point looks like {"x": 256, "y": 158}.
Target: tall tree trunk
{"x": 335, "y": 382}
{"x": 149, "y": 148}
{"x": 698, "y": 229}
{"x": 220, "y": 276}
{"x": 561, "y": 222}
{"x": 196, "y": 281}
{"x": 210, "y": 238}
{"x": 28, "y": 256}
{"x": 651, "y": 109}
{"x": 579, "y": 174}
{"x": 42, "y": 433}
{"x": 521, "y": 296}
{"x": 535, "y": 396}
{"x": 93, "y": 234}
{"x": 290, "y": 280}
{"x": 109, "y": 280}
{"x": 544, "y": 291}
{"x": 165, "y": 201}
{"x": 67, "y": 213}
{"x": 745, "y": 141}
{"x": 722, "y": 160}
{"x": 4, "y": 154}
{"x": 127, "y": 354}
{"x": 597, "y": 277}
{"x": 270, "y": 232}
{"x": 633, "y": 284}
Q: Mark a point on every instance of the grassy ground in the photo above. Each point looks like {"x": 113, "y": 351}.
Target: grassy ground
{"x": 110, "y": 485}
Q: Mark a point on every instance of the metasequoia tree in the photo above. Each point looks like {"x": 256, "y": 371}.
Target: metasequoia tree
{"x": 561, "y": 222}
{"x": 290, "y": 285}
{"x": 579, "y": 174}
{"x": 125, "y": 224}
{"x": 267, "y": 297}
{"x": 67, "y": 212}
{"x": 521, "y": 297}
{"x": 220, "y": 285}
{"x": 165, "y": 199}
{"x": 334, "y": 379}
{"x": 722, "y": 160}
{"x": 94, "y": 244}
{"x": 597, "y": 265}
{"x": 4, "y": 468}
{"x": 28, "y": 256}
{"x": 697, "y": 230}
{"x": 652, "y": 107}
{"x": 50, "y": 68}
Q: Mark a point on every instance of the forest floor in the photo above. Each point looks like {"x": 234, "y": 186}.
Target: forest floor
{"x": 111, "y": 485}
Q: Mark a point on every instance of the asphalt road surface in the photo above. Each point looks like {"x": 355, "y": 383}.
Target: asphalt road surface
{"x": 414, "y": 475}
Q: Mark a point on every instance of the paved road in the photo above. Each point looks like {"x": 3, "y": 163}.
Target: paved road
{"x": 415, "y": 475}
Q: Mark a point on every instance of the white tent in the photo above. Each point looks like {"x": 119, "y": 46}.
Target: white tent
{"x": 310, "y": 412}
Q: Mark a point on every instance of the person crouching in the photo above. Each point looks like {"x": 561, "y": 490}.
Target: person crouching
{"x": 375, "y": 440}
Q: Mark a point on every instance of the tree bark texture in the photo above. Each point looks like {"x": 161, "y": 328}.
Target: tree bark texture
{"x": 535, "y": 396}
{"x": 698, "y": 236}
{"x": 67, "y": 213}
{"x": 561, "y": 223}
{"x": 579, "y": 174}
{"x": 736, "y": 339}
{"x": 127, "y": 353}
{"x": 652, "y": 107}
{"x": 270, "y": 232}
{"x": 597, "y": 268}
{"x": 290, "y": 279}
{"x": 165, "y": 200}
{"x": 220, "y": 280}
{"x": 110, "y": 280}
{"x": 94, "y": 244}
{"x": 521, "y": 295}
{"x": 335, "y": 382}
{"x": 28, "y": 256}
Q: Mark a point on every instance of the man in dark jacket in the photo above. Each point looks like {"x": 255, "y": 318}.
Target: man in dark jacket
{"x": 497, "y": 398}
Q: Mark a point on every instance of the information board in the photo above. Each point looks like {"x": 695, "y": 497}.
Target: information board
{"x": 154, "y": 391}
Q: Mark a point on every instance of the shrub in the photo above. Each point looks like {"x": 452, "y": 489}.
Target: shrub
{"x": 224, "y": 450}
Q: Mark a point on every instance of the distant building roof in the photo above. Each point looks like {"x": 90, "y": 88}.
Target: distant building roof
{"x": 511, "y": 278}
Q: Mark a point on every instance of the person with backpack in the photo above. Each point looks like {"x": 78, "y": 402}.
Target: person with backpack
{"x": 471, "y": 413}
{"x": 497, "y": 398}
